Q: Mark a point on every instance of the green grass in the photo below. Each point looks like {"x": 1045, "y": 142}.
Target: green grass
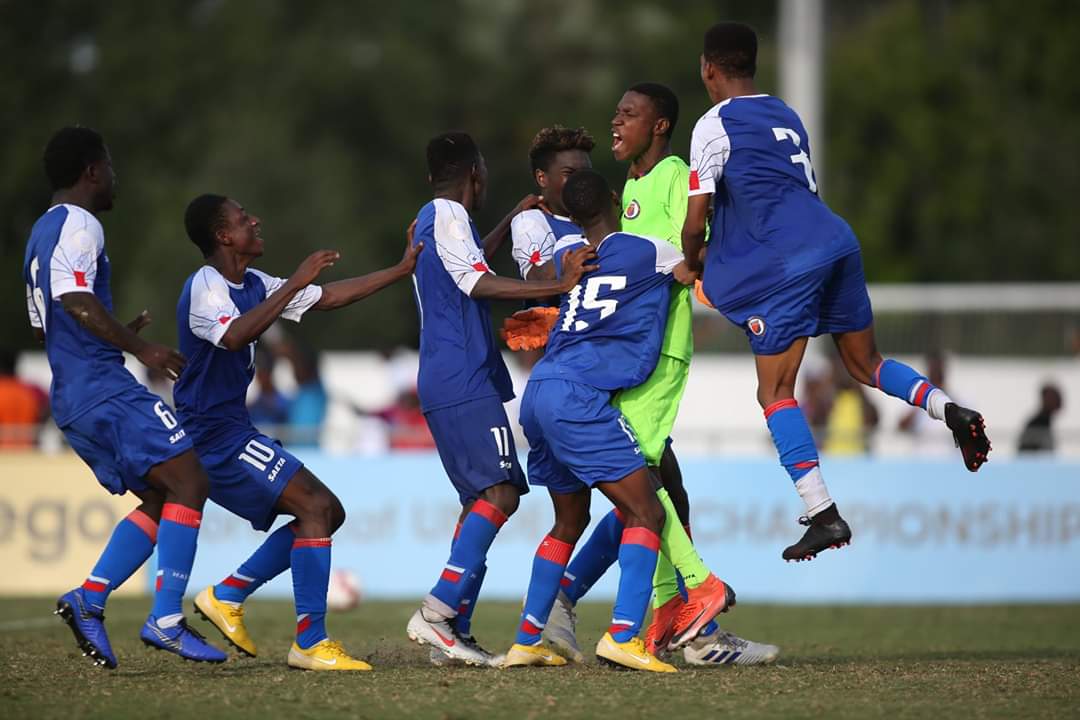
{"x": 838, "y": 662}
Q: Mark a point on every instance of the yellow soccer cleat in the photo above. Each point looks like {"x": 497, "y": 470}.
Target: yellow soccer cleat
{"x": 326, "y": 655}
{"x": 532, "y": 655}
{"x": 227, "y": 618}
{"x": 630, "y": 654}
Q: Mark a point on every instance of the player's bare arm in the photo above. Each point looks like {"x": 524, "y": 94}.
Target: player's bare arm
{"x": 500, "y": 232}
{"x": 541, "y": 272}
{"x": 344, "y": 292}
{"x": 574, "y": 265}
{"x": 693, "y": 232}
{"x": 92, "y": 315}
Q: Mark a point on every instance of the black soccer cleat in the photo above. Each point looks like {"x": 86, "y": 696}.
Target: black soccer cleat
{"x": 969, "y": 433}
{"x": 819, "y": 535}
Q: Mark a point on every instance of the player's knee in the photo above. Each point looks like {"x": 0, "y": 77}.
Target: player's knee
{"x": 321, "y": 510}
{"x": 505, "y": 497}
{"x": 570, "y": 529}
{"x": 650, "y": 516}
{"x": 337, "y": 515}
{"x": 861, "y": 367}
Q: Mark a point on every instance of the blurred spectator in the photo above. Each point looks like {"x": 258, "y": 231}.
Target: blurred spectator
{"x": 308, "y": 408}
{"x": 852, "y": 417}
{"x": 406, "y": 426}
{"x": 1038, "y": 434}
{"x": 23, "y": 407}
{"x": 270, "y": 409}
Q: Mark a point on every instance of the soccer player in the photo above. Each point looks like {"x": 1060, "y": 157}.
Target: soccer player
{"x": 607, "y": 337}
{"x": 224, "y": 307}
{"x": 784, "y": 267}
{"x": 463, "y": 383}
{"x": 127, "y": 435}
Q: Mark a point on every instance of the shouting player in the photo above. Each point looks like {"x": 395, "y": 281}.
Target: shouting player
{"x": 224, "y": 308}
{"x": 127, "y": 435}
{"x": 607, "y": 337}
{"x": 463, "y": 383}
{"x": 784, "y": 267}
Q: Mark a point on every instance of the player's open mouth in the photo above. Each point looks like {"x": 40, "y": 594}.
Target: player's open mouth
{"x": 616, "y": 140}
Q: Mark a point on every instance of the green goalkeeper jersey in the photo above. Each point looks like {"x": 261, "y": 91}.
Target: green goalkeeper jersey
{"x": 654, "y": 205}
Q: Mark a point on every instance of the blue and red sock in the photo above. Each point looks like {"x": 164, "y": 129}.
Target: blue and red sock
{"x": 547, "y": 571}
{"x": 637, "y": 563}
{"x": 594, "y": 558}
{"x": 270, "y": 560}
{"x": 467, "y": 558}
{"x": 897, "y": 379}
{"x": 310, "y": 561}
{"x": 178, "y": 536}
{"x": 463, "y": 621}
{"x": 798, "y": 454}
{"x": 131, "y": 544}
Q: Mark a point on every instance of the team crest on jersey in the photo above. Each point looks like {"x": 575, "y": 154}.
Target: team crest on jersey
{"x": 756, "y": 325}
{"x": 477, "y": 262}
{"x": 632, "y": 210}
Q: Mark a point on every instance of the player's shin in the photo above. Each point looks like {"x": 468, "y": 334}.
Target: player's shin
{"x": 798, "y": 454}
{"x": 897, "y": 379}
{"x": 463, "y": 621}
{"x": 130, "y": 546}
{"x": 178, "y": 536}
{"x": 637, "y": 563}
{"x": 594, "y": 558}
{"x": 467, "y": 558}
{"x": 310, "y": 558}
{"x": 547, "y": 571}
{"x": 676, "y": 546}
{"x": 271, "y": 559}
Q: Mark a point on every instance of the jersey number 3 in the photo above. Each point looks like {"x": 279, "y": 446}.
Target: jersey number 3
{"x": 591, "y": 300}
{"x": 799, "y": 158}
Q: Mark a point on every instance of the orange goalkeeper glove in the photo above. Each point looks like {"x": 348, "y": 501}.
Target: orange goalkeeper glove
{"x": 529, "y": 329}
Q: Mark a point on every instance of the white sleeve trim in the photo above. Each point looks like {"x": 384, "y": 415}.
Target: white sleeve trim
{"x": 73, "y": 267}
{"x": 457, "y": 249}
{"x": 667, "y": 257}
{"x": 31, "y": 309}
{"x": 710, "y": 147}
{"x": 532, "y": 238}
{"x": 301, "y": 302}
{"x": 212, "y": 309}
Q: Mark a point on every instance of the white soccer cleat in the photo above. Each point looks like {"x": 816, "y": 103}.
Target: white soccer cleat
{"x": 724, "y": 648}
{"x": 438, "y": 659}
{"x": 440, "y": 634}
{"x": 561, "y": 629}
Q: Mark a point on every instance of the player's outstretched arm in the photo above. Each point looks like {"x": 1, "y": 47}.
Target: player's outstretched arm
{"x": 693, "y": 232}
{"x": 92, "y": 315}
{"x": 574, "y": 265}
{"x": 250, "y": 325}
{"x": 498, "y": 235}
{"x": 343, "y": 292}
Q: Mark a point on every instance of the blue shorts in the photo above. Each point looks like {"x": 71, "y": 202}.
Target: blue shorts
{"x": 248, "y": 472}
{"x": 830, "y": 299}
{"x": 476, "y": 446}
{"x": 126, "y": 435}
{"x": 576, "y": 437}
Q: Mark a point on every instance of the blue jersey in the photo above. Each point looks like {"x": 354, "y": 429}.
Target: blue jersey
{"x": 769, "y": 226}
{"x": 66, "y": 254}
{"x": 459, "y": 360}
{"x": 213, "y": 386}
{"x": 534, "y": 234}
{"x": 611, "y": 324}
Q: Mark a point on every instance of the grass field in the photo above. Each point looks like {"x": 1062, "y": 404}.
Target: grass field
{"x": 838, "y": 662}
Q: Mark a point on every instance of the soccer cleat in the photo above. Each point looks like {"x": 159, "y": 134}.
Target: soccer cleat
{"x": 440, "y": 634}
{"x": 561, "y": 629}
{"x": 438, "y": 659}
{"x": 969, "y": 433}
{"x": 662, "y": 627}
{"x": 181, "y": 639}
{"x": 724, "y": 648}
{"x": 532, "y": 655}
{"x": 88, "y": 627}
{"x": 630, "y": 654}
{"x": 227, "y": 618}
{"x": 818, "y": 536}
{"x": 324, "y": 656}
{"x": 703, "y": 603}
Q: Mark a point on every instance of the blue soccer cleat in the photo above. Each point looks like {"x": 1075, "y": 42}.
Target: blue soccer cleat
{"x": 88, "y": 626}
{"x": 180, "y": 639}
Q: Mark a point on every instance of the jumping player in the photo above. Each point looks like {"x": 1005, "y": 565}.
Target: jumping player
{"x": 463, "y": 383}
{"x": 785, "y": 268}
{"x": 224, "y": 308}
{"x": 127, "y": 435}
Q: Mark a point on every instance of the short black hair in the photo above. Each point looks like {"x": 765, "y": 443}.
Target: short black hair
{"x": 70, "y": 151}
{"x": 586, "y": 195}
{"x": 555, "y": 139}
{"x": 663, "y": 99}
{"x": 732, "y": 47}
{"x": 451, "y": 156}
{"x": 204, "y": 216}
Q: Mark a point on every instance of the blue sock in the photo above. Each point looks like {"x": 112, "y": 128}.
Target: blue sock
{"x": 900, "y": 381}
{"x": 709, "y": 629}
{"x": 637, "y": 563}
{"x": 467, "y": 557}
{"x": 270, "y": 560}
{"x": 547, "y": 571}
{"x": 131, "y": 545}
{"x": 798, "y": 454}
{"x": 310, "y": 561}
{"x": 178, "y": 535}
{"x": 463, "y": 621}
{"x": 595, "y": 557}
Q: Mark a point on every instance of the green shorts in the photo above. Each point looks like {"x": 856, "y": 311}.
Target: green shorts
{"x": 651, "y": 407}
